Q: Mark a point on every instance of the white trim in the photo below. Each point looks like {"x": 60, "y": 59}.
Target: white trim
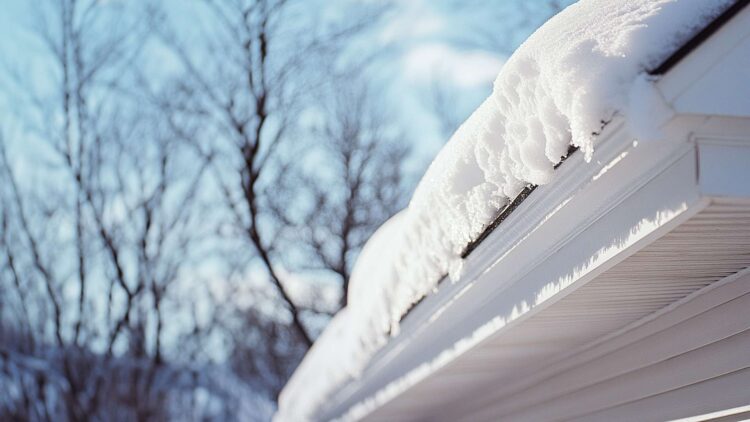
{"x": 541, "y": 224}
{"x": 512, "y": 264}
{"x": 707, "y": 55}
{"x": 737, "y": 411}
{"x": 702, "y": 321}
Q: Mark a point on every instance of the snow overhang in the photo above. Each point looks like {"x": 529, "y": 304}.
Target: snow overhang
{"x": 562, "y": 241}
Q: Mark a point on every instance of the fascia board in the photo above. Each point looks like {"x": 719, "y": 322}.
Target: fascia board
{"x": 625, "y": 185}
{"x": 699, "y": 62}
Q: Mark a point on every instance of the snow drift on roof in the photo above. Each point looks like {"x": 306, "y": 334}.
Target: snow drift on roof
{"x": 571, "y": 76}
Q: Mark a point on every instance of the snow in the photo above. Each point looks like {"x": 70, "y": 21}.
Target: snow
{"x": 581, "y": 69}
{"x": 340, "y": 350}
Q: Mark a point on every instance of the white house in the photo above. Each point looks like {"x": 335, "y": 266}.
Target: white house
{"x": 616, "y": 289}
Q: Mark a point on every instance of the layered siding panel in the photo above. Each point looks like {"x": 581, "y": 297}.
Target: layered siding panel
{"x": 712, "y": 245}
{"x": 497, "y": 377}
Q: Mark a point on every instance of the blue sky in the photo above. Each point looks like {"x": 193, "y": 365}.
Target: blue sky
{"x": 434, "y": 44}
{"x": 434, "y": 49}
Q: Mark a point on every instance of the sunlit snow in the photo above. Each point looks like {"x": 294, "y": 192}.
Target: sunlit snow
{"x": 573, "y": 75}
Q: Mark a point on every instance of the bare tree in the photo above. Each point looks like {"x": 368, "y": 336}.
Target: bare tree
{"x": 354, "y": 184}
{"x": 108, "y": 200}
{"x": 252, "y": 82}
{"x": 93, "y": 251}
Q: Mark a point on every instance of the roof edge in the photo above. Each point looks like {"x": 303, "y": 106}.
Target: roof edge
{"x": 699, "y": 38}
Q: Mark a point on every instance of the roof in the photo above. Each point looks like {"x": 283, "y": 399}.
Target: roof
{"x": 694, "y": 42}
{"x": 463, "y": 315}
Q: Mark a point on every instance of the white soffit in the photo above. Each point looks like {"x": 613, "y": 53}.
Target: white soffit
{"x": 711, "y": 245}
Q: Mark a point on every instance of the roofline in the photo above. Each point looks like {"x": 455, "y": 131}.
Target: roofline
{"x": 663, "y": 68}
{"x": 646, "y": 171}
{"x": 699, "y": 38}
{"x": 644, "y": 190}
{"x": 505, "y": 212}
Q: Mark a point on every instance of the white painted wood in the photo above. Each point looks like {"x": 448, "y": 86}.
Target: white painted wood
{"x": 619, "y": 352}
{"x": 647, "y": 350}
{"x": 701, "y": 61}
{"x": 733, "y": 414}
{"x": 598, "y": 400}
{"x": 724, "y": 166}
{"x": 723, "y": 392}
{"x": 659, "y": 189}
{"x": 724, "y": 89}
{"x": 514, "y": 278}
{"x": 692, "y": 305}
{"x": 571, "y": 319}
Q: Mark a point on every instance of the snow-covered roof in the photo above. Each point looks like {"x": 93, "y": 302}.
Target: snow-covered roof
{"x": 586, "y": 66}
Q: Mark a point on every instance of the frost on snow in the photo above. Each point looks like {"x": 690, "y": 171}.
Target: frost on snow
{"x": 578, "y": 71}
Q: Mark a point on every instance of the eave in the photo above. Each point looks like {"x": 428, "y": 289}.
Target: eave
{"x": 559, "y": 245}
